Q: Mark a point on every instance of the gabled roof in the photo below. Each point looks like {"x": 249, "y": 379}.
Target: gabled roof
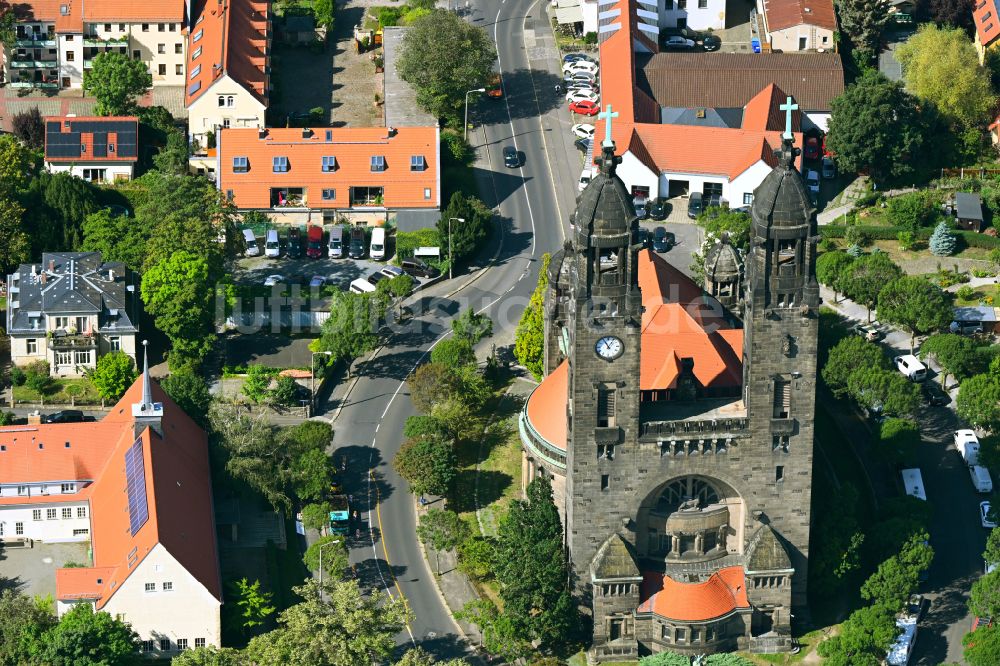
{"x": 228, "y": 37}
{"x": 614, "y": 561}
{"x": 720, "y": 594}
{"x": 765, "y": 552}
{"x": 70, "y": 139}
{"x": 763, "y": 112}
{"x": 986, "y": 16}
{"x": 70, "y": 15}
{"x": 783, "y": 14}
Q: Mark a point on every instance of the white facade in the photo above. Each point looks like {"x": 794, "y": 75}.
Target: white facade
{"x": 95, "y": 172}
{"x": 47, "y": 518}
{"x": 27, "y": 349}
{"x": 225, "y": 104}
{"x": 694, "y": 14}
{"x": 163, "y": 602}
{"x": 801, "y": 38}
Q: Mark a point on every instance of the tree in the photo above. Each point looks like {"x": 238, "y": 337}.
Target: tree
{"x": 453, "y": 352}
{"x": 898, "y": 437}
{"x": 117, "y": 81}
{"x": 982, "y": 645}
{"x": 471, "y": 326}
{"x": 916, "y": 305}
{"x": 427, "y": 464}
{"x": 316, "y": 516}
{"x": 306, "y": 436}
{"x": 113, "y": 374}
{"x": 941, "y": 66}
{"x": 864, "y": 21}
{"x": 257, "y": 383}
{"x": 830, "y": 269}
{"x": 475, "y": 557}
{"x": 860, "y": 137}
{"x": 84, "y": 637}
{"x": 335, "y": 625}
{"x": 898, "y": 577}
{"x": 865, "y": 278}
{"x": 529, "y": 339}
{"x": 847, "y": 356}
{"x": 978, "y": 401}
{"x": 992, "y": 552}
{"x": 912, "y": 211}
{"x": 948, "y": 12}
{"x": 418, "y": 657}
{"x": 312, "y": 473}
{"x": 942, "y": 242}
{"x": 400, "y": 287}
{"x": 323, "y": 9}
{"x": 427, "y": 61}
{"x": 177, "y": 294}
{"x": 875, "y": 388}
{"x": 254, "y": 604}
{"x": 350, "y": 330}
{"x": 956, "y": 355}
{"x": 24, "y": 621}
{"x": 442, "y": 530}
{"x": 173, "y": 157}
{"x": 116, "y": 237}
{"x": 984, "y": 598}
{"x": 466, "y": 222}
{"x": 189, "y": 391}
{"x": 335, "y": 560}
{"x": 500, "y": 635}
{"x": 837, "y": 555}
{"x": 864, "y": 638}
{"x": 18, "y": 165}
{"x": 431, "y": 384}
{"x": 15, "y": 245}
{"x": 285, "y": 391}
{"x": 209, "y": 656}
{"x": 29, "y": 127}
{"x": 532, "y": 570}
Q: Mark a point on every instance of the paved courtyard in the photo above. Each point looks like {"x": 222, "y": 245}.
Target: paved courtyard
{"x": 32, "y": 571}
{"x": 62, "y": 102}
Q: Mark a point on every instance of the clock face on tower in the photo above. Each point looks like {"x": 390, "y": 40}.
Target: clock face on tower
{"x": 609, "y": 347}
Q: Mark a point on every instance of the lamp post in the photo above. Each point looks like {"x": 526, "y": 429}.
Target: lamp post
{"x": 312, "y": 379}
{"x": 451, "y": 260}
{"x": 467, "y": 110}
{"x": 329, "y": 543}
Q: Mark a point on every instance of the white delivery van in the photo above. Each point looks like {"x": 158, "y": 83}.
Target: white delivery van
{"x": 981, "y": 478}
{"x": 272, "y": 248}
{"x": 900, "y": 651}
{"x": 967, "y": 445}
{"x": 362, "y": 286}
{"x": 913, "y": 482}
{"x": 251, "y": 242}
{"x": 377, "y": 248}
{"x": 911, "y": 366}
{"x": 336, "y": 247}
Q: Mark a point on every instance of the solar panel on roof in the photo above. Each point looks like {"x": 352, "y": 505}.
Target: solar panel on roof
{"x": 135, "y": 479}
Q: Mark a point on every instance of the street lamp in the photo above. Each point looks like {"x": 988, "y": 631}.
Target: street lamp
{"x": 451, "y": 260}
{"x": 312, "y": 379}
{"x": 467, "y": 110}
{"x": 328, "y": 543}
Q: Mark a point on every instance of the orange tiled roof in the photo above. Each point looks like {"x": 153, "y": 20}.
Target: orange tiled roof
{"x": 228, "y": 37}
{"x": 55, "y": 452}
{"x": 783, "y": 14}
{"x": 82, "y": 583}
{"x": 722, "y": 593}
{"x": 986, "y": 16}
{"x": 679, "y": 321}
{"x": 763, "y": 112}
{"x": 353, "y": 148}
{"x": 79, "y": 12}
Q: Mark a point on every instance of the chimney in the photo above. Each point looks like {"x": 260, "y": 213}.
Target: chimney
{"x": 261, "y": 132}
{"x": 52, "y": 265}
{"x": 41, "y": 278}
{"x": 306, "y": 132}
{"x": 111, "y": 274}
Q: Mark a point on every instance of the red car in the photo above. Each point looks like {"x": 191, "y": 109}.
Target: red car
{"x": 585, "y": 108}
{"x": 811, "y": 151}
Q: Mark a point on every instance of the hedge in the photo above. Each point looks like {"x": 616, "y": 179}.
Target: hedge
{"x": 969, "y": 238}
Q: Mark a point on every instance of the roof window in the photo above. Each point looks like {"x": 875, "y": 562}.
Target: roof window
{"x": 329, "y": 163}
{"x": 198, "y": 35}
{"x": 378, "y": 162}
{"x": 241, "y": 165}
{"x": 329, "y": 135}
{"x": 417, "y": 163}
{"x": 197, "y": 52}
{"x": 279, "y": 164}
{"x": 196, "y": 71}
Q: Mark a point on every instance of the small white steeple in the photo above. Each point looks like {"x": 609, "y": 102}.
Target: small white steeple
{"x": 147, "y": 412}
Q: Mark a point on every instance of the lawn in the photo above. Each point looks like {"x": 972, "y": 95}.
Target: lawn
{"x": 62, "y": 391}
{"x": 807, "y": 642}
{"x": 987, "y": 292}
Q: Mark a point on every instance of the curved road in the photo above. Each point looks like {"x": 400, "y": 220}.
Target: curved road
{"x": 368, "y": 431}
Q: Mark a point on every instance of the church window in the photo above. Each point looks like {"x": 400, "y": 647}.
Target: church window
{"x": 782, "y": 398}
{"x": 682, "y": 634}
{"x": 605, "y": 407}
{"x": 615, "y": 629}
{"x": 666, "y": 633}
{"x": 779, "y": 473}
{"x": 780, "y": 443}
{"x": 684, "y": 490}
{"x": 605, "y": 481}
{"x": 709, "y": 634}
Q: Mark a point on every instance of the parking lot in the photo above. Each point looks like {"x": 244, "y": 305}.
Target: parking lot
{"x": 339, "y": 272}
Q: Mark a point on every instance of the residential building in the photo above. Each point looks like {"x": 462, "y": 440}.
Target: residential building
{"x": 313, "y": 174}
{"x": 96, "y": 149}
{"x": 693, "y": 14}
{"x": 56, "y": 40}
{"x": 797, "y": 25}
{"x": 986, "y": 17}
{"x": 228, "y": 73}
{"x": 70, "y": 309}
{"x": 136, "y": 484}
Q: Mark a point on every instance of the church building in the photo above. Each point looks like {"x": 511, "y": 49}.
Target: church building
{"x": 676, "y": 423}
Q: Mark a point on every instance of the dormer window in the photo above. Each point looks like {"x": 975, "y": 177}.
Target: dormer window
{"x": 378, "y": 162}
{"x": 197, "y": 70}
{"x": 418, "y": 163}
{"x": 198, "y": 35}
{"x": 197, "y": 52}
{"x": 241, "y": 165}
{"x": 329, "y": 163}
{"x": 279, "y": 164}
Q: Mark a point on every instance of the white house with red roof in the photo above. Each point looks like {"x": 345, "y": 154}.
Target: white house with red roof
{"x": 137, "y": 485}
{"x": 797, "y": 25}
{"x": 96, "y": 149}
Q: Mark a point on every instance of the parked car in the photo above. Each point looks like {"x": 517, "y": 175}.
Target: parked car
{"x": 356, "y": 249}
{"x": 868, "y": 332}
{"x": 583, "y": 130}
{"x": 64, "y": 416}
{"x": 585, "y": 108}
{"x": 511, "y": 159}
{"x": 811, "y": 150}
{"x": 584, "y": 77}
{"x": 580, "y": 66}
{"x": 711, "y": 43}
{"x": 577, "y": 57}
{"x": 933, "y": 395}
{"x": 643, "y": 237}
{"x": 272, "y": 280}
{"x": 419, "y": 268}
{"x": 391, "y": 271}
{"x": 967, "y": 445}
{"x": 582, "y": 96}
{"x": 361, "y": 286}
{"x": 966, "y": 328}
{"x": 377, "y": 248}
{"x": 663, "y": 240}
{"x": 317, "y": 281}
{"x": 583, "y": 145}
{"x": 375, "y": 278}
{"x": 639, "y": 205}
{"x": 812, "y": 181}
{"x": 335, "y": 248}
{"x": 294, "y": 243}
{"x": 585, "y": 179}
{"x": 272, "y": 247}
{"x": 695, "y": 205}
{"x": 586, "y": 86}
{"x": 829, "y": 168}
{"x": 314, "y": 242}
{"x": 984, "y": 515}
{"x": 915, "y": 606}
{"x": 678, "y": 42}
{"x": 658, "y": 209}
{"x": 981, "y": 479}
{"x": 910, "y": 365}
{"x": 250, "y": 241}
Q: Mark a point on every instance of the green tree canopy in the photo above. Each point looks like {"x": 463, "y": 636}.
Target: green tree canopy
{"x": 867, "y": 276}
{"x": 316, "y": 516}
{"x": 898, "y": 577}
{"x": 471, "y": 326}
{"x": 335, "y": 560}
{"x": 116, "y": 237}
{"x": 848, "y": 355}
{"x": 915, "y": 305}
{"x": 312, "y": 473}
{"x": 418, "y": 657}
{"x": 249, "y": 452}
{"x": 427, "y": 61}
{"x": 209, "y": 656}
{"x": 24, "y": 621}
{"x": 85, "y": 638}
{"x": 831, "y": 268}
{"x": 529, "y": 339}
{"x": 982, "y": 645}
{"x": 940, "y": 66}
{"x": 442, "y": 530}
{"x": 453, "y": 352}
{"x": 177, "y": 294}
{"x": 898, "y": 437}
{"x": 957, "y": 355}
{"x": 18, "y": 165}
{"x": 351, "y": 328}
{"x": 117, "y": 81}
{"x": 254, "y": 603}
{"x": 992, "y": 552}
{"x": 863, "y": 21}
{"x": 15, "y": 245}
{"x": 874, "y": 387}
{"x": 189, "y": 390}
{"x": 861, "y": 138}
{"x": 470, "y": 224}
{"x": 984, "y": 598}
{"x": 942, "y": 242}
{"x": 113, "y": 374}
{"x": 864, "y": 638}
{"x": 172, "y": 158}
{"x": 427, "y": 464}
{"x": 979, "y": 401}
{"x": 431, "y": 384}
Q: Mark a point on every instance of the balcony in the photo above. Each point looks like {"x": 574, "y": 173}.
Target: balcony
{"x": 33, "y": 64}
{"x": 42, "y": 41}
{"x": 41, "y": 85}
{"x": 288, "y": 197}
{"x": 94, "y": 40}
{"x": 60, "y": 340}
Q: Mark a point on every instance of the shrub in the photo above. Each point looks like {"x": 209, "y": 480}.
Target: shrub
{"x": 912, "y": 211}
{"x": 856, "y": 235}
{"x": 942, "y": 242}
{"x": 982, "y": 273}
{"x": 906, "y": 240}
{"x": 590, "y": 38}
{"x": 17, "y": 376}
{"x": 855, "y": 251}
{"x": 827, "y": 245}
{"x": 457, "y": 147}
{"x": 868, "y": 200}
{"x": 286, "y": 392}
{"x": 965, "y": 292}
{"x": 316, "y": 115}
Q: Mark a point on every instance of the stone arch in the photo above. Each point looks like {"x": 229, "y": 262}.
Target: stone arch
{"x": 690, "y": 517}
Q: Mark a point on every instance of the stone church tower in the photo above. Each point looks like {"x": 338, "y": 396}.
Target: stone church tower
{"x": 676, "y": 422}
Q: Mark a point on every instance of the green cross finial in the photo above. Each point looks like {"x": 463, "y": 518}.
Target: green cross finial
{"x": 788, "y": 107}
{"x": 607, "y": 115}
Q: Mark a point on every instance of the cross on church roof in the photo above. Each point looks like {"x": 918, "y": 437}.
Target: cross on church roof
{"x": 608, "y": 115}
{"x": 788, "y": 107}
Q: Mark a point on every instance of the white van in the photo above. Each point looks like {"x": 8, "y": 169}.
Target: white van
{"x": 272, "y": 247}
{"x": 362, "y": 286}
{"x": 251, "y": 242}
{"x": 336, "y": 247}
{"x": 377, "y": 249}
{"x": 967, "y": 445}
{"x": 900, "y": 651}
{"x": 913, "y": 482}
{"x": 911, "y": 366}
{"x": 981, "y": 478}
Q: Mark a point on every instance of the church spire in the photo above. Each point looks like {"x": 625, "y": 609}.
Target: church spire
{"x": 146, "y": 412}
{"x": 147, "y": 393}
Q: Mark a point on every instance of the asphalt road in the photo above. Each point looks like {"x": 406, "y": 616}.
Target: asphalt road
{"x": 368, "y": 431}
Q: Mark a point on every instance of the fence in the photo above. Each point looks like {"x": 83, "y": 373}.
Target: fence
{"x": 972, "y": 172}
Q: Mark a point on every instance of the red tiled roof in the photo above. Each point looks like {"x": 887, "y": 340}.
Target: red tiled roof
{"x": 986, "y": 16}
{"x": 229, "y": 37}
{"x": 24, "y": 462}
{"x": 116, "y": 148}
{"x": 763, "y": 112}
{"x": 79, "y": 12}
{"x": 783, "y": 14}
{"x": 547, "y": 406}
{"x": 83, "y": 583}
{"x": 723, "y": 592}
{"x": 353, "y": 148}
